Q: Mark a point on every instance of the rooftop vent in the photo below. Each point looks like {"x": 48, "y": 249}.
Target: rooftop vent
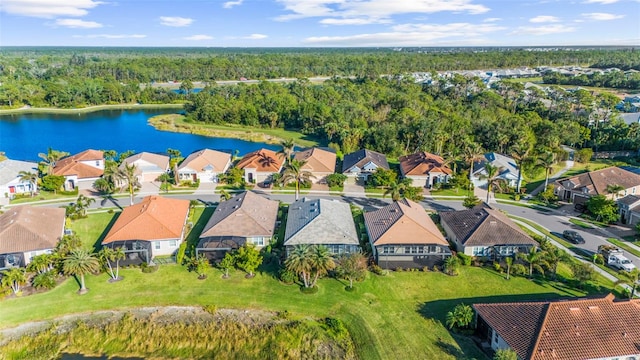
{"x": 574, "y": 308}
{"x": 593, "y": 307}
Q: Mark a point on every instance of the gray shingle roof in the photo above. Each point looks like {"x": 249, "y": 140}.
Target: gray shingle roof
{"x": 29, "y": 228}
{"x": 484, "y": 226}
{"x": 362, "y": 157}
{"x": 9, "y": 169}
{"x": 320, "y": 221}
{"x": 244, "y": 215}
{"x": 506, "y": 165}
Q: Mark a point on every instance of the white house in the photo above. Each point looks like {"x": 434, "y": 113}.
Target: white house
{"x": 10, "y": 183}
{"x": 149, "y": 166}
{"x": 507, "y": 170}
{"x": 204, "y": 165}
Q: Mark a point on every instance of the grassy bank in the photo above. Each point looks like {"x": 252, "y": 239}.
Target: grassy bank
{"x": 88, "y": 109}
{"x": 177, "y": 123}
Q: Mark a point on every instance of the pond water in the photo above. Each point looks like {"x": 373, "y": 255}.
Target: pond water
{"x": 23, "y": 136}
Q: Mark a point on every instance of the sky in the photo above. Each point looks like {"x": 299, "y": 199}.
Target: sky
{"x": 319, "y": 23}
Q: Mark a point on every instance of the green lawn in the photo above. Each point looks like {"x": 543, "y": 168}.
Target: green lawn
{"x": 45, "y": 195}
{"x": 92, "y": 229}
{"x": 582, "y": 224}
{"x": 399, "y": 316}
{"x": 622, "y": 245}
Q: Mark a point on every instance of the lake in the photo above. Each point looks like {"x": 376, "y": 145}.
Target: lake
{"x": 23, "y": 136}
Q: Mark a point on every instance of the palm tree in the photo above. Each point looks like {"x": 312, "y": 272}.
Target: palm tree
{"x": 287, "y": 149}
{"x": 553, "y": 256}
{"x": 631, "y": 278}
{"x": 299, "y": 262}
{"x": 41, "y": 263}
{"x": 535, "y": 259}
{"x": 509, "y": 261}
{"x": 14, "y": 278}
{"x": 50, "y": 158}
{"x": 78, "y": 263}
{"x": 460, "y": 317}
{"x": 615, "y": 189}
{"x": 293, "y": 172}
{"x": 107, "y": 256}
{"x": 519, "y": 153}
{"x": 32, "y": 178}
{"x": 82, "y": 204}
{"x": 546, "y": 161}
{"x": 396, "y": 190}
{"x": 321, "y": 262}
{"x": 128, "y": 175}
{"x": 224, "y": 195}
{"x": 107, "y": 184}
{"x": 472, "y": 153}
{"x": 492, "y": 173}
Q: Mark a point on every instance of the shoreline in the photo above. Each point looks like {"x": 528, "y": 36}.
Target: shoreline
{"x": 89, "y": 109}
{"x": 176, "y": 123}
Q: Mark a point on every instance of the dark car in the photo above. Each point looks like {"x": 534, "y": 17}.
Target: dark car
{"x": 573, "y": 236}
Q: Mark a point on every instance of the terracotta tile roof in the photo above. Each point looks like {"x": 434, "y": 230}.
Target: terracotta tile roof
{"x": 318, "y": 160}
{"x": 244, "y": 215}
{"x": 199, "y": 161}
{"x": 422, "y": 163}
{"x": 264, "y": 160}
{"x": 155, "y": 162}
{"x": 596, "y": 181}
{"x": 154, "y": 218}
{"x": 362, "y": 157}
{"x": 72, "y": 165}
{"x": 402, "y": 222}
{"x": 571, "y": 330}
{"x": 29, "y": 228}
{"x": 484, "y": 226}
{"x": 320, "y": 221}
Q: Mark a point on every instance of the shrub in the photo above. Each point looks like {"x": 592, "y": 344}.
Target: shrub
{"x": 583, "y": 155}
{"x": 425, "y": 269}
{"x": 399, "y": 269}
{"x": 599, "y": 259}
{"x": 465, "y": 259}
{"x": 210, "y": 308}
{"x": 110, "y": 211}
{"x": 336, "y": 328}
{"x": 147, "y": 269}
{"x": 377, "y": 270}
{"x": 334, "y": 180}
{"x": 519, "y": 270}
{"x": 180, "y": 253}
{"x": 497, "y": 267}
{"x": 287, "y": 277}
{"x": 45, "y": 280}
{"x": 436, "y": 268}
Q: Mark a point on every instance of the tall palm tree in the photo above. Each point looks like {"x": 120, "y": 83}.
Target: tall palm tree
{"x": 32, "y": 178}
{"x": 396, "y": 190}
{"x": 615, "y": 189}
{"x": 293, "y": 172}
{"x": 631, "y": 278}
{"x": 287, "y": 149}
{"x": 553, "y": 256}
{"x": 128, "y": 174}
{"x": 492, "y": 173}
{"x": 299, "y": 262}
{"x": 472, "y": 152}
{"x": 78, "y": 263}
{"x": 321, "y": 261}
{"x": 509, "y": 261}
{"x": 535, "y": 259}
{"x": 107, "y": 256}
{"x": 519, "y": 153}
{"x": 50, "y": 158}
{"x": 546, "y": 161}
{"x": 14, "y": 278}
{"x": 82, "y": 204}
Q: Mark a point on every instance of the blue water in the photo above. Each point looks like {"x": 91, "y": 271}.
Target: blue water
{"x": 23, "y": 136}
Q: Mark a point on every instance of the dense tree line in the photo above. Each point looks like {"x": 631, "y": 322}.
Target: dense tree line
{"x": 612, "y": 79}
{"x": 85, "y": 76}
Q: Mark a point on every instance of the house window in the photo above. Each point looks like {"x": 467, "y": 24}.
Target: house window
{"x": 97, "y": 162}
{"x": 420, "y": 249}
{"x": 173, "y": 243}
{"x": 387, "y": 250}
{"x": 157, "y": 245}
{"x": 258, "y": 241}
{"x": 407, "y": 249}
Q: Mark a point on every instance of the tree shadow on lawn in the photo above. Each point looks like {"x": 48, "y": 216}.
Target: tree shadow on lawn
{"x": 98, "y": 244}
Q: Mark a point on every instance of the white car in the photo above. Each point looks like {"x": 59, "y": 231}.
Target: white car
{"x": 621, "y": 263}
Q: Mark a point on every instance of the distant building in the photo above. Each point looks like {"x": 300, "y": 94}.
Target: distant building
{"x": 578, "y": 189}
{"x": 425, "y": 169}
{"x": 259, "y": 166}
{"x": 507, "y": 170}
{"x": 10, "y": 183}
{"x": 204, "y": 165}
{"x": 84, "y": 167}
{"x": 149, "y": 166}
{"x": 357, "y": 166}
{"x": 320, "y": 162}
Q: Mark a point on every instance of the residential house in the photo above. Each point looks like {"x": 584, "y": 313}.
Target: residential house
{"x": 321, "y": 222}
{"x": 153, "y": 227}
{"x": 320, "y": 162}
{"x": 358, "y": 165}
{"x": 485, "y": 232}
{"x": 204, "y": 165}
{"x": 425, "y": 169}
{"x": 149, "y": 166}
{"x": 600, "y": 328}
{"x": 403, "y": 235}
{"x": 84, "y": 167}
{"x": 245, "y": 218}
{"x": 27, "y": 231}
{"x": 629, "y": 207}
{"x": 10, "y": 183}
{"x": 578, "y": 189}
{"x": 507, "y": 170}
{"x": 259, "y": 166}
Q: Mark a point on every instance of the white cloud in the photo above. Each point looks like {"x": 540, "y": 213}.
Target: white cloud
{"x": 112, "y": 36}
{"x": 373, "y": 9}
{"x": 230, "y": 4}
{"x": 256, "y": 37}
{"x": 601, "y": 16}
{"x": 175, "y": 21}
{"x": 199, "y": 37}
{"x": 353, "y": 21}
{"x": 489, "y": 20}
{"x": 543, "y": 30}
{"x": 48, "y": 8}
{"x": 415, "y": 35}
{"x": 544, "y": 19}
{"x": 77, "y": 24}
{"x": 601, "y": 1}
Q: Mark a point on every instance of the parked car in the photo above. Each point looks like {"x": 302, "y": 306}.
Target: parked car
{"x": 573, "y": 237}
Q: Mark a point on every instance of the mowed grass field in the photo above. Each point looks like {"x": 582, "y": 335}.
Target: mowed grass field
{"x": 398, "y": 316}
